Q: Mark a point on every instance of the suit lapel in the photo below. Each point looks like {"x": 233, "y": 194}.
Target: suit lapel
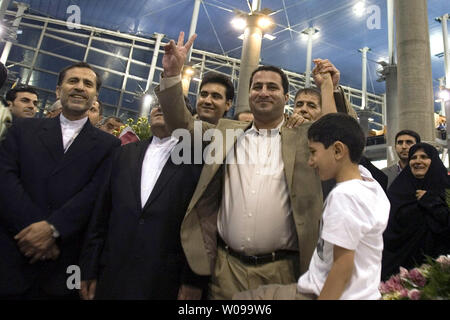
{"x": 51, "y": 137}
{"x": 83, "y": 143}
{"x": 289, "y": 141}
{"x": 165, "y": 176}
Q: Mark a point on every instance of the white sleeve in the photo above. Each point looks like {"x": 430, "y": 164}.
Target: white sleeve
{"x": 345, "y": 220}
{"x": 166, "y": 83}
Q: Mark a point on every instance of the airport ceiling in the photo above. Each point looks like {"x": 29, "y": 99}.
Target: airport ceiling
{"x": 341, "y": 34}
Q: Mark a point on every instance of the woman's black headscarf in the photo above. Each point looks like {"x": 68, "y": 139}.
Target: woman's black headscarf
{"x": 417, "y": 227}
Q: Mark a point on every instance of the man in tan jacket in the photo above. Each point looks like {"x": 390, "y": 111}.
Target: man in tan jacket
{"x": 250, "y": 222}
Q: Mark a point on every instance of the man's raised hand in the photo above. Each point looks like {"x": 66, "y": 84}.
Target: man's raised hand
{"x": 323, "y": 67}
{"x": 175, "y": 55}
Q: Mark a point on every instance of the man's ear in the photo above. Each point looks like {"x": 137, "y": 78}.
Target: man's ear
{"x": 339, "y": 150}
{"x": 57, "y": 91}
{"x": 9, "y": 104}
{"x": 228, "y": 104}
{"x": 286, "y": 98}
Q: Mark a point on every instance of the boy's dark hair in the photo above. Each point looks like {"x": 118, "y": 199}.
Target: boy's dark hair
{"x": 409, "y": 133}
{"x": 63, "y": 72}
{"x": 341, "y": 127}
{"x": 284, "y": 79}
{"x": 11, "y": 95}
{"x": 214, "y": 77}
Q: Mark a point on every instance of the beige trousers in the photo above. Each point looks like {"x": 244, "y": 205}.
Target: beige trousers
{"x": 232, "y": 276}
{"x": 274, "y": 292}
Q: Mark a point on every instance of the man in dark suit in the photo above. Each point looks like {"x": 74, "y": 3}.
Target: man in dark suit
{"x": 133, "y": 248}
{"x": 51, "y": 170}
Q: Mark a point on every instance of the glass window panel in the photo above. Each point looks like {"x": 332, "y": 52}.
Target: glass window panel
{"x": 109, "y": 110}
{"x": 43, "y": 80}
{"x": 130, "y": 101}
{"x": 63, "y": 48}
{"x": 51, "y": 63}
{"x": 135, "y": 85}
{"x": 139, "y": 71}
{"x": 22, "y": 55}
{"x": 142, "y": 55}
{"x": 107, "y": 61}
{"x": 109, "y": 96}
{"x": 110, "y": 79}
{"x": 29, "y": 36}
{"x": 117, "y": 50}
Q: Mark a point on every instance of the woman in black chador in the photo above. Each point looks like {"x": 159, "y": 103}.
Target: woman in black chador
{"x": 419, "y": 223}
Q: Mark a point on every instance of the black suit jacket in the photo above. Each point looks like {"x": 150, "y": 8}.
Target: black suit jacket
{"x": 40, "y": 182}
{"x": 135, "y": 252}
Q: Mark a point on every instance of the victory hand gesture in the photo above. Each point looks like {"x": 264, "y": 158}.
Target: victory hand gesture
{"x": 175, "y": 55}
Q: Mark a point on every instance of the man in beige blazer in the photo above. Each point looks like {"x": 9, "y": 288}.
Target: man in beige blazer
{"x": 247, "y": 226}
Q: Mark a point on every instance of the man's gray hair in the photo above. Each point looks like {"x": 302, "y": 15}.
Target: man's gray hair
{"x": 57, "y": 105}
{"x": 105, "y": 120}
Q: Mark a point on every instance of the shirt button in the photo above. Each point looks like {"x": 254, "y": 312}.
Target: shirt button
{"x": 253, "y": 192}
{"x": 250, "y": 214}
{"x": 248, "y": 239}
{"x": 141, "y": 221}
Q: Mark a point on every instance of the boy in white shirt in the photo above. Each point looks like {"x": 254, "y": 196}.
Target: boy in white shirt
{"x": 347, "y": 261}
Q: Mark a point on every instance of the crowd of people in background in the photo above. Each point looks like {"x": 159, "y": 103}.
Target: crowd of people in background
{"x": 324, "y": 224}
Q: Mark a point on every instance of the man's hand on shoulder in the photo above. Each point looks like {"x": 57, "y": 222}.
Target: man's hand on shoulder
{"x": 295, "y": 120}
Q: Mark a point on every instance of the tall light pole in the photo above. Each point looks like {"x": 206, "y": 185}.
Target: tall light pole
{"x": 255, "y": 24}
{"x": 309, "y": 32}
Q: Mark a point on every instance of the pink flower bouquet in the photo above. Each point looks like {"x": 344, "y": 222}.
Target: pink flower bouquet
{"x": 431, "y": 281}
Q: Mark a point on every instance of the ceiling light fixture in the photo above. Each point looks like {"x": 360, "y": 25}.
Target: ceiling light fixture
{"x": 264, "y": 22}
{"x": 359, "y": 8}
{"x": 269, "y": 36}
{"x": 239, "y": 23}
{"x": 444, "y": 94}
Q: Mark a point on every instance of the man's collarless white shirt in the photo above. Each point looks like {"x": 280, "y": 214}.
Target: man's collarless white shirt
{"x": 156, "y": 156}
{"x": 70, "y": 130}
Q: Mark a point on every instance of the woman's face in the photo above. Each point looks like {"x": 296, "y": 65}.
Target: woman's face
{"x": 420, "y": 163}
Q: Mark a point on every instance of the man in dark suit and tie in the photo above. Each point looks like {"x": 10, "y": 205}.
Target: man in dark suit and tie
{"x": 133, "y": 248}
{"x": 51, "y": 170}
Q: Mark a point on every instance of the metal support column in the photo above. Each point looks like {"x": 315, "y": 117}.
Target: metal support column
{"x": 3, "y": 7}
{"x": 414, "y": 77}
{"x": 151, "y": 75}
{"x": 193, "y": 27}
{"x": 21, "y": 7}
{"x": 125, "y": 77}
{"x": 364, "y": 77}
{"x": 251, "y": 51}
{"x": 443, "y": 20}
{"x": 441, "y": 85}
{"x": 310, "y": 32}
{"x": 36, "y": 53}
{"x": 391, "y": 38}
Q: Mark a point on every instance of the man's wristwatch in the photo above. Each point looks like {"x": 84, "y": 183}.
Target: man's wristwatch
{"x": 55, "y": 233}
